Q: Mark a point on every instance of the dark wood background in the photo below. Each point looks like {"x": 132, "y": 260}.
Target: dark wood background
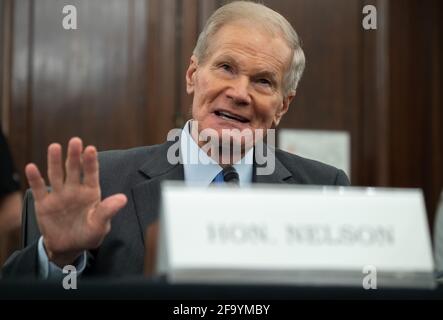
{"x": 118, "y": 81}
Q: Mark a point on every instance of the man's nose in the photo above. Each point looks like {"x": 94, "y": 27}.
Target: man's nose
{"x": 239, "y": 91}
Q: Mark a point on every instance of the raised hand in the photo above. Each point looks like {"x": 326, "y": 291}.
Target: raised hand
{"x": 72, "y": 218}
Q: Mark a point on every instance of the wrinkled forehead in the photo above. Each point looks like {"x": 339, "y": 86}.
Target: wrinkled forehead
{"x": 251, "y": 28}
{"x": 243, "y": 35}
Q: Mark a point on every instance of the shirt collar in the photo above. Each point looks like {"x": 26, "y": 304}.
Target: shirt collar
{"x": 200, "y": 169}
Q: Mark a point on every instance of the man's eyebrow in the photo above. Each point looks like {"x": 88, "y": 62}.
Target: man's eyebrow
{"x": 225, "y": 58}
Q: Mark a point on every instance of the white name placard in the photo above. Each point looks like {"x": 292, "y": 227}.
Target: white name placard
{"x": 295, "y": 235}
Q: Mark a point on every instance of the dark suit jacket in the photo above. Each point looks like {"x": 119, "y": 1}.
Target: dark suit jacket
{"x": 138, "y": 173}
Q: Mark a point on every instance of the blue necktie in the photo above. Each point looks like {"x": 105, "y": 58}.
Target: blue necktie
{"x": 219, "y": 179}
{"x": 227, "y": 175}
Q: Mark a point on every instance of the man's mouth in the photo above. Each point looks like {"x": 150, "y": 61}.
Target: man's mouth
{"x": 230, "y": 116}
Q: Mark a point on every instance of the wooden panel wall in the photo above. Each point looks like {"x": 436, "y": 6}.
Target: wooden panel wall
{"x": 91, "y": 82}
{"x": 329, "y": 95}
{"x": 118, "y": 81}
{"x": 416, "y": 104}
{"x": 2, "y": 47}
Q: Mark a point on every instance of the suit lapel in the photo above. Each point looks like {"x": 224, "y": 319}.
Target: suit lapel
{"x": 280, "y": 174}
{"x": 146, "y": 195}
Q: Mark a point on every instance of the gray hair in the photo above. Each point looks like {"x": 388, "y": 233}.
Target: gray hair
{"x": 264, "y": 17}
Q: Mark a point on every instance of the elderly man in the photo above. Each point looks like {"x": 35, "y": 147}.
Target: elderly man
{"x": 243, "y": 75}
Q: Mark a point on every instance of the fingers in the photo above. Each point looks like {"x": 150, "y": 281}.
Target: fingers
{"x": 36, "y": 182}
{"x": 76, "y": 164}
{"x": 73, "y": 161}
{"x": 55, "y": 167}
{"x": 109, "y": 207}
{"x": 90, "y": 167}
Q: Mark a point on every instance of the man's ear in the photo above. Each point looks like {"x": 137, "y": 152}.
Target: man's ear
{"x": 283, "y": 108}
{"x": 190, "y": 75}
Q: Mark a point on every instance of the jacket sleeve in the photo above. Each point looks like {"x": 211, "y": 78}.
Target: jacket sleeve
{"x": 24, "y": 263}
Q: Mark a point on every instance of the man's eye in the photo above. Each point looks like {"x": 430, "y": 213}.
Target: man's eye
{"x": 265, "y": 82}
{"x": 226, "y": 67}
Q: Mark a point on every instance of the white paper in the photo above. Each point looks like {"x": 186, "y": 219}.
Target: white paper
{"x": 330, "y": 147}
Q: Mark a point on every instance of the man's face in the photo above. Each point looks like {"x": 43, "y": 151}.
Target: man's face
{"x": 240, "y": 83}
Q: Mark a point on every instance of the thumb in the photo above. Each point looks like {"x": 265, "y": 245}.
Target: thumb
{"x": 110, "y": 206}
